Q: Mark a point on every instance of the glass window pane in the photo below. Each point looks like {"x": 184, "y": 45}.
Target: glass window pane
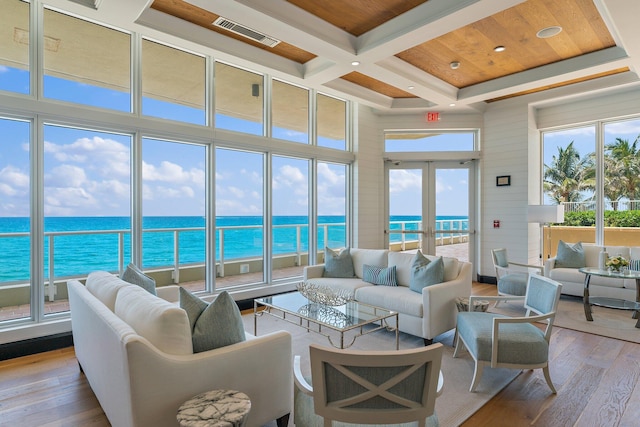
{"x": 15, "y": 241}
{"x": 239, "y": 100}
{"x": 290, "y": 210}
{"x": 86, "y": 63}
{"x": 173, "y": 83}
{"x": 290, "y": 112}
{"x": 569, "y": 178}
{"x": 332, "y": 122}
{"x": 14, "y": 46}
{"x": 405, "y": 208}
{"x": 429, "y": 142}
{"x": 622, "y": 183}
{"x": 86, "y": 205}
{"x": 332, "y": 205}
{"x": 239, "y": 218}
{"x": 173, "y": 209}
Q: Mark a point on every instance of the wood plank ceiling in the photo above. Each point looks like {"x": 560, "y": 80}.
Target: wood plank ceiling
{"x": 472, "y": 46}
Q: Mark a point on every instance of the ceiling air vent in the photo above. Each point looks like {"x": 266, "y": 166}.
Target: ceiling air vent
{"x": 245, "y": 31}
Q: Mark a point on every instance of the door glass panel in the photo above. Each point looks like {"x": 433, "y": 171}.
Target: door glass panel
{"x": 332, "y": 205}
{"x": 452, "y": 213}
{"x": 405, "y": 209}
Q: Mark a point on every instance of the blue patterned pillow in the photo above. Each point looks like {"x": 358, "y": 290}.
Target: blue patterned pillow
{"x": 380, "y": 275}
{"x": 634, "y": 265}
{"x": 425, "y": 272}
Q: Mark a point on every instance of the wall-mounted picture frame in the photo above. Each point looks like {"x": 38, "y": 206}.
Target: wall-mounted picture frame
{"x": 502, "y": 181}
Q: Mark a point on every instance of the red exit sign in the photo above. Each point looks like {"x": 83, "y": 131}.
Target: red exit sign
{"x": 433, "y": 117}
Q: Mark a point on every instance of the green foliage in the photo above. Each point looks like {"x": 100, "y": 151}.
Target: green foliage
{"x": 611, "y": 219}
{"x": 579, "y": 219}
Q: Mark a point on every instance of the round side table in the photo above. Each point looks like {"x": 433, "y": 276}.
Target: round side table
{"x": 216, "y": 408}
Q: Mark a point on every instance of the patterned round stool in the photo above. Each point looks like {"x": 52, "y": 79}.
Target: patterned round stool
{"x": 216, "y": 408}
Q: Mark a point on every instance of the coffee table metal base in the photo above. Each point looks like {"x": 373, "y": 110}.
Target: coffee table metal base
{"x": 615, "y": 303}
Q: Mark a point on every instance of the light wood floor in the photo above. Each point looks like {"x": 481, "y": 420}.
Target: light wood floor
{"x": 596, "y": 379}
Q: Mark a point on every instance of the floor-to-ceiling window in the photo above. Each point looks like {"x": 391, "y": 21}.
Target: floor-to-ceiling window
{"x": 173, "y": 210}
{"x": 290, "y": 216}
{"x": 239, "y": 218}
{"x": 131, "y": 145}
{"x": 593, "y": 171}
{"x": 15, "y": 236}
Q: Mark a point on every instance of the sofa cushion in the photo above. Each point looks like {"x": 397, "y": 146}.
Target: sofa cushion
{"x": 425, "y": 272}
{"x": 219, "y": 325}
{"x": 401, "y": 299}
{"x": 338, "y": 264}
{"x": 163, "y": 324}
{"x": 385, "y": 276}
{"x": 570, "y": 256}
{"x": 105, "y": 287}
{"x": 368, "y": 256}
{"x": 134, "y": 275}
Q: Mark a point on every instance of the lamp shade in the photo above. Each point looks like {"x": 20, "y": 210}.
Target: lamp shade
{"x": 545, "y": 213}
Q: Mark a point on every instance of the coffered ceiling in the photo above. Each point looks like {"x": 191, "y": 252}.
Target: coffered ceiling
{"x": 418, "y": 54}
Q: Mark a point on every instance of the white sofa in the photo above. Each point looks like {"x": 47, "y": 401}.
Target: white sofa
{"x": 573, "y": 281}
{"x": 427, "y": 314}
{"x": 142, "y": 374}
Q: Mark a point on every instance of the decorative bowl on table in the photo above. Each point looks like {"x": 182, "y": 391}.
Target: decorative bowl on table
{"x": 324, "y": 294}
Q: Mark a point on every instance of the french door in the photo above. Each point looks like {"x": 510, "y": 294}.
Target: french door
{"x": 429, "y": 207}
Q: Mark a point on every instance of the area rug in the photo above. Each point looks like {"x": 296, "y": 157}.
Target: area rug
{"x": 453, "y": 406}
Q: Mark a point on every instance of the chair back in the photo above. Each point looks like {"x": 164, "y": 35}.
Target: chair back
{"x": 375, "y": 387}
{"x": 542, "y": 297}
{"x": 500, "y": 261}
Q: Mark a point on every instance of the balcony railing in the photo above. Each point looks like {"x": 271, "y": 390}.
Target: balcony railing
{"x": 622, "y": 205}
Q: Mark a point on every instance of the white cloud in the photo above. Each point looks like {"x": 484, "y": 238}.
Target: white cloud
{"x": 7, "y": 190}
{"x": 620, "y": 129}
{"x": 66, "y": 176}
{"x": 13, "y": 176}
{"x": 403, "y": 180}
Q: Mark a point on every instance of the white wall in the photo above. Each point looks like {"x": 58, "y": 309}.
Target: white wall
{"x": 368, "y": 200}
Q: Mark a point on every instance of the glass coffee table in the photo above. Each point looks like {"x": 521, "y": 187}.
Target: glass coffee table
{"x": 616, "y": 303}
{"x": 296, "y": 309}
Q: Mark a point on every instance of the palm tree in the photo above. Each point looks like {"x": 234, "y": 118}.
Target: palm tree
{"x": 622, "y": 170}
{"x": 568, "y": 175}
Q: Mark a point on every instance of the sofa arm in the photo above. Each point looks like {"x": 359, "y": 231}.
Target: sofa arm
{"x": 549, "y": 265}
{"x": 261, "y": 367}
{"x": 169, "y": 293}
{"x": 312, "y": 271}
{"x": 439, "y": 303}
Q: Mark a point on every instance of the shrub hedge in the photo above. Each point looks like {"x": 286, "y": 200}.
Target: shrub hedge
{"x": 611, "y": 219}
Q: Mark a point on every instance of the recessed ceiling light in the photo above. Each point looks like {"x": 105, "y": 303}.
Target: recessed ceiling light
{"x": 545, "y": 33}
{"x": 499, "y": 49}
{"x": 411, "y": 87}
{"x": 354, "y": 63}
{"x": 454, "y": 65}
{"x": 452, "y": 105}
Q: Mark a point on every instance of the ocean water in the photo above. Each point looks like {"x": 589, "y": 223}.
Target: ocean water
{"x": 77, "y": 253}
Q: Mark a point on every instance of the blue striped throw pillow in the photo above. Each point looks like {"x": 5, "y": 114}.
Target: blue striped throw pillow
{"x": 380, "y": 275}
{"x": 634, "y": 265}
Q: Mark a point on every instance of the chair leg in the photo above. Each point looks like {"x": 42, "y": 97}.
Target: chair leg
{"x": 427, "y": 341}
{"x": 547, "y": 377}
{"x": 456, "y": 342}
{"x": 477, "y": 374}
